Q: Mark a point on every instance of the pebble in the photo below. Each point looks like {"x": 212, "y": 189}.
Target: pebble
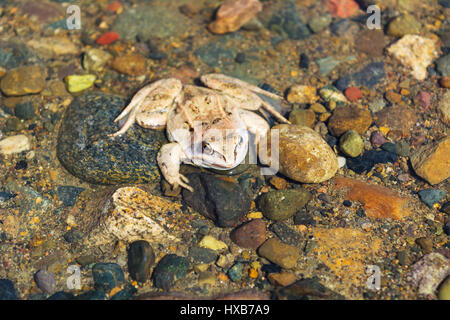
{"x": 250, "y": 234}
{"x": 307, "y": 289}
{"x": 54, "y": 46}
{"x": 107, "y": 276}
{"x": 23, "y": 81}
{"x": 303, "y": 117}
{"x": 133, "y": 64}
{"x": 140, "y": 259}
{"x": 341, "y": 162}
{"x": 351, "y": 144}
{"x": 424, "y": 99}
{"x": 45, "y": 281}
{"x": 444, "y": 108}
{"x": 377, "y": 105}
{"x": 416, "y": 53}
{"x": 302, "y": 94}
{"x": 443, "y": 65}
{"x": 287, "y": 235}
{"x": 78, "y": 83}
{"x": 7, "y": 290}
{"x": 125, "y": 294}
{"x": 327, "y": 64}
{"x": 220, "y": 200}
{"x": 96, "y": 59}
{"x": 68, "y": 194}
{"x": 304, "y": 155}
{"x": 14, "y": 144}
{"x": 304, "y": 61}
{"x": 431, "y": 162}
{"x": 399, "y": 119}
{"x": 235, "y": 273}
{"x": 445, "y": 82}
{"x": 377, "y": 139}
{"x": 401, "y": 148}
{"x": 403, "y": 25}
{"x": 371, "y": 42}
{"x": 89, "y": 154}
{"x": 444, "y": 288}
{"x": 426, "y": 244}
{"x": 107, "y": 38}
{"x": 319, "y": 23}
{"x": 287, "y": 18}
{"x": 282, "y": 279}
{"x": 342, "y": 8}
{"x": 25, "y": 110}
{"x": 149, "y": 22}
{"x": 353, "y": 94}
{"x": 207, "y": 278}
{"x": 344, "y": 28}
{"x": 378, "y": 201}
{"x": 349, "y": 118}
{"x": 202, "y": 255}
{"x": 302, "y": 217}
{"x": 369, "y": 76}
{"x": 280, "y": 205}
{"x": 284, "y": 255}
{"x": 369, "y": 159}
{"x": 168, "y": 270}
{"x": 332, "y": 94}
{"x": 429, "y": 272}
{"x": 232, "y": 15}
{"x": 212, "y": 243}
{"x": 431, "y": 196}
{"x": 61, "y": 295}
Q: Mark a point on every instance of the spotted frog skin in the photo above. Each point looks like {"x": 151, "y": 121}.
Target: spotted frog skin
{"x": 206, "y": 127}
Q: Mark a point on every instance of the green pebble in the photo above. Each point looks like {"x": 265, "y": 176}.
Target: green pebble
{"x": 282, "y": 204}
{"x": 77, "y": 83}
{"x": 403, "y": 25}
{"x": 444, "y": 290}
{"x": 351, "y": 144}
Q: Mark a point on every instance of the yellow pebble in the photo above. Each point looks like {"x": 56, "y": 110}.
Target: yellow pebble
{"x": 294, "y": 73}
{"x": 255, "y": 215}
{"x": 384, "y": 130}
{"x": 253, "y": 273}
{"x": 114, "y": 291}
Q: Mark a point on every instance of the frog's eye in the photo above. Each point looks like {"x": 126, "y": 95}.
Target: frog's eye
{"x": 207, "y": 148}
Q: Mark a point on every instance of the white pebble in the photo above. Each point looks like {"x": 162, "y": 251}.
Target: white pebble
{"x": 341, "y": 162}
{"x": 14, "y": 144}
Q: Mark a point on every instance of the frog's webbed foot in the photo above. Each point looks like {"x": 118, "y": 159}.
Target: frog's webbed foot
{"x": 169, "y": 158}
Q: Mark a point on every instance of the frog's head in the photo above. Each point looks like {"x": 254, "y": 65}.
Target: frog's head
{"x": 222, "y": 149}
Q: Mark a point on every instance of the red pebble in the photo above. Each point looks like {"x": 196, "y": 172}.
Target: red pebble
{"x": 424, "y": 99}
{"x": 114, "y": 6}
{"x": 107, "y": 38}
{"x": 353, "y": 94}
{"x": 342, "y": 8}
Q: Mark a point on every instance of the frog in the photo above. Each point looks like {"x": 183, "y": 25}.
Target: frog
{"x": 207, "y": 126}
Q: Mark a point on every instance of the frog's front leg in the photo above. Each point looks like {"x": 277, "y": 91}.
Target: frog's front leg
{"x": 169, "y": 159}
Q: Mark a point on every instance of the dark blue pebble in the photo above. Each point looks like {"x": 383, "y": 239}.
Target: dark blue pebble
{"x": 61, "y": 295}
{"x": 7, "y": 290}
{"x": 271, "y": 268}
{"x": 431, "y": 196}
{"x": 91, "y": 295}
{"x": 107, "y": 276}
{"x": 368, "y": 76}
{"x": 125, "y": 294}
{"x": 290, "y": 22}
{"x": 444, "y": 3}
{"x": 68, "y": 194}
{"x": 169, "y": 269}
{"x": 370, "y": 158}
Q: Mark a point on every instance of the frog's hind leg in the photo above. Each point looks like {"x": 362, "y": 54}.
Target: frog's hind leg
{"x": 148, "y": 98}
{"x": 216, "y": 81}
{"x": 232, "y": 86}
